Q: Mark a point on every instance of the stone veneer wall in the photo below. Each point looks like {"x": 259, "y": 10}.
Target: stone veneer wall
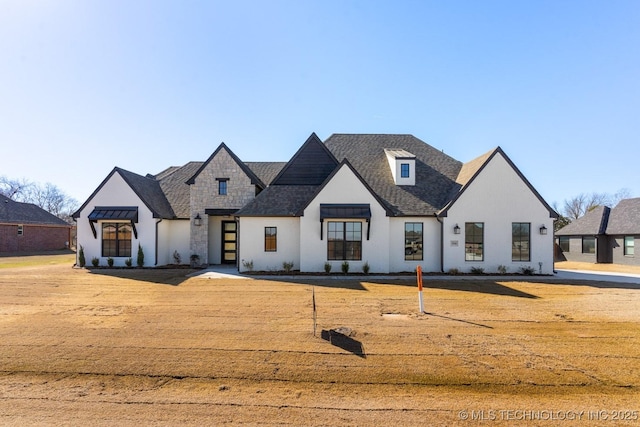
{"x": 204, "y": 195}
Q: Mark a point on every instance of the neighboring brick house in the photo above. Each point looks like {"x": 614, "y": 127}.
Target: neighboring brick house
{"x": 24, "y": 227}
{"x": 602, "y": 235}
{"x": 391, "y": 202}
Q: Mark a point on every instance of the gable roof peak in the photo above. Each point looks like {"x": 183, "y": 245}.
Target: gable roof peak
{"x": 310, "y": 165}
{"x": 254, "y": 178}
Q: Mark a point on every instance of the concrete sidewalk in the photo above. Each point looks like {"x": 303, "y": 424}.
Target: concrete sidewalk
{"x": 231, "y": 272}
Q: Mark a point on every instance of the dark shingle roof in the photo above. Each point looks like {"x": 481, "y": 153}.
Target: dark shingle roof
{"x": 173, "y": 182}
{"x": 279, "y": 200}
{"x": 13, "y": 212}
{"x": 592, "y": 223}
{"x": 436, "y": 172}
{"x": 146, "y": 188}
{"x": 266, "y": 171}
{"x": 625, "y": 218}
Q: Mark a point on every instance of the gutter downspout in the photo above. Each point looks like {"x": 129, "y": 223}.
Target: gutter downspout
{"x": 157, "y": 222}
{"x": 441, "y": 242}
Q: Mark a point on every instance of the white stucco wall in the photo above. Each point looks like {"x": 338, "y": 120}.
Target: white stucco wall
{"x": 497, "y": 198}
{"x": 345, "y": 187}
{"x": 252, "y": 243}
{"x": 116, "y": 192}
{"x": 430, "y": 246}
{"x": 173, "y": 235}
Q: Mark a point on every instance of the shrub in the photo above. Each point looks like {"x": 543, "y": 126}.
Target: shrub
{"x": 128, "y": 262}
{"x": 177, "y": 258}
{"x": 454, "y": 271}
{"x": 95, "y": 261}
{"x": 81, "y": 259}
{"x": 287, "y": 266}
{"x": 527, "y": 271}
{"x": 140, "y": 260}
{"x": 477, "y": 270}
{"x": 327, "y": 267}
{"x": 110, "y": 262}
{"x": 345, "y": 267}
{"x": 366, "y": 267}
{"x": 502, "y": 269}
{"x": 195, "y": 260}
{"x": 248, "y": 265}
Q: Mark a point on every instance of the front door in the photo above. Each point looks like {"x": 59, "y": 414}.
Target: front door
{"x": 229, "y": 242}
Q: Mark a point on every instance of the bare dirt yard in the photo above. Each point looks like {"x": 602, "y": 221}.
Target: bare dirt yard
{"x": 154, "y": 347}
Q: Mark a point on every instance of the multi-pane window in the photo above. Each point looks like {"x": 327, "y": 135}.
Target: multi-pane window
{"x": 474, "y": 241}
{"x": 270, "y": 239}
{"x": 404, "y": 170}
{"x": 116, "y": 239}
{"x": 344, "y": 240}
{"x": 588, "y": 245}
{"x": 629, "y": 245}
{"x": 563, "y": 242}
{"x": 20, "y": 230}
{"x": 222, "y": 187}
{"x": 520, "y": 241}
{"x": 413, "y": 241}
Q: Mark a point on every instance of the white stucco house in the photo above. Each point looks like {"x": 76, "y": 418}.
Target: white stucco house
{"x": 390, "y": 201}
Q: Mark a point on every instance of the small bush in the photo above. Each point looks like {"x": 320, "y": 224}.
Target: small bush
{"x": 287, "y": 266}
{"x": 81, "y": 259}
{"x": 454, "y": 271}
{"x": 327, "y": 267}
{"x": 140, "y": 260}
{"x": 95, "y": 261}
{"x": 110, "y": 262}
{"x": 527, "y": 271}
{"x": 477, "y": 270}
{"x": 177, "y": 257}
{"x": 248, "y": 265}
{"x": 366, "y": 267}
{"x": 502, "y": 269}
{"x": 345, "y": 267}
{"x": 195, "y": 260}
{"x": 128, "y": 262}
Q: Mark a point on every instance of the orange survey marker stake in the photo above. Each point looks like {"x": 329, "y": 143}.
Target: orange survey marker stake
{"x": 419, "y": 277}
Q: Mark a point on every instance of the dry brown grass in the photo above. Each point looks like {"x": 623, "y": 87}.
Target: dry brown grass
{"x": 127, "y": 347}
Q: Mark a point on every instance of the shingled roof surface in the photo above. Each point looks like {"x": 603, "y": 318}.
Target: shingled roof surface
{"x": 279, "y": 200}
{"x": 173, "y": 182}
{"x": 592, "y": 223}
{"x": 266, "y": 171}
{"x": 436, "y": 172}
{"x": 625, "y": 218}
{"x": 13, "y": 212}
{"x": 149, "y": 190}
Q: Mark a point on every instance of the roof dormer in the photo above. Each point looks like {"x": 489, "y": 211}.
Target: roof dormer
{"x": 403, "y": 166}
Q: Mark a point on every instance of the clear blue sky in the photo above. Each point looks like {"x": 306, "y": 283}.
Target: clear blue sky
{"x": 86, "y": 85}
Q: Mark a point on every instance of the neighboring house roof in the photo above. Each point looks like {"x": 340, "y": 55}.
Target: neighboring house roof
{"x": 625, "y": 218}
{"x": 436, "y": 172}
{"x": 592, "y": 223}
{"x": 472, "y": 169}
{"x": 13, "y": 212}
{"x": 146, "y": 188}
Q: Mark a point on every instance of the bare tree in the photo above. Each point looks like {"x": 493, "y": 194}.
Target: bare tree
{"x": 579, "y": 205}
{"x": 15, "y": 189}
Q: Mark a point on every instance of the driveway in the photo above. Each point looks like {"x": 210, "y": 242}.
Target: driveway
{"x": 598, "y": 275}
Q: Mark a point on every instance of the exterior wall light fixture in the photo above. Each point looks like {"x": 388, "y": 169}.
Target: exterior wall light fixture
{"x": 456, "y": 229}
{"x": 543, "y": 230}
{"x": 197, "y": 220}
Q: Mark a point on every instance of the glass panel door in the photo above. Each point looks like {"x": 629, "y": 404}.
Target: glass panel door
{"x": 229, "y": 242}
